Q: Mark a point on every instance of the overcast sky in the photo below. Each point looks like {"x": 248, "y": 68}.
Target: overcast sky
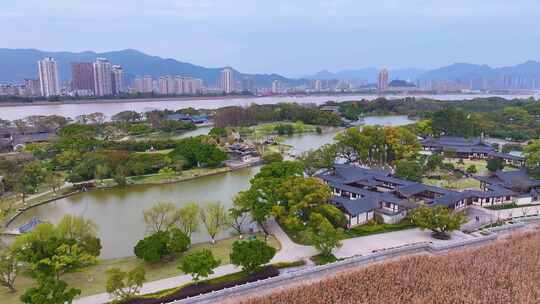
{"x": 292, "y": 37}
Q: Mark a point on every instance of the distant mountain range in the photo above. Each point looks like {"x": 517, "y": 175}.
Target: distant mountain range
{"x": 466, "y": 70}
{"x": 18, "y": 64}
{"x": 367, "y": 74}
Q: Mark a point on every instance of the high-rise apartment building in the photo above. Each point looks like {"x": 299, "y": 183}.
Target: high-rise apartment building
{"x": 317, "y": 85}
{"x": 143, "y": 84}
{"x": 382, "y": 84}
{"x": 82, "y": 76}
{"x": 33, "y": 87}
{"x": 102, "y": 77}
{"x": 191, "y": 86}
{"x": 48, "y": 77}
{"x": 276, "y": 86}
{"x": 248, "y": 84}
{"x": 117, "y": 79}
{"x": 226, "y": 81}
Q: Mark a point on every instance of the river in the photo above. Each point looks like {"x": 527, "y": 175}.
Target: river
{"x": 110, "y": 108}
{"x": 118, "y": 212}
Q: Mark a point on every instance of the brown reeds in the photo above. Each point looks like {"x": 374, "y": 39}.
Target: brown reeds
{"x": 505, "y": 272}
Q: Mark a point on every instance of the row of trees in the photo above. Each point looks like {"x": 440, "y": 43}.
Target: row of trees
{"x": 253, "y": 114}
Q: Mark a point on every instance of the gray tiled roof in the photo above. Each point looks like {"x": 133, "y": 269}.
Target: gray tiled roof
{"x": 355, "y": 207}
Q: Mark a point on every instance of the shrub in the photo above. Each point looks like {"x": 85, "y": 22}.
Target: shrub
{"x": 153, "y": 248}
{"x": 178, "y": 241}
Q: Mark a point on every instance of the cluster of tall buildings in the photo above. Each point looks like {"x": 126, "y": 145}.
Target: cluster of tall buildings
{"x": 98, "y": 78}
{"x": 178, "y": 85}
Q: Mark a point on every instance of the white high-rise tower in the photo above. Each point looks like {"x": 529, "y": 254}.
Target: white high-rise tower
{"x": 48, "y": 77}
{"x": 102, "y": 77}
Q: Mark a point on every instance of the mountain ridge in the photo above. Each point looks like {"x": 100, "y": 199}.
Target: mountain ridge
{"x": 18, "y": 64}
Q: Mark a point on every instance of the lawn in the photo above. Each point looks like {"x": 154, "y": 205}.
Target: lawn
{"x": 165, "y": 151}
{"x": 174, "y": 177}
{"x": 481, "y": 165}
{"x": 270, "y": 128}
{"x": 91, "y": 280}
{"x": 459, "y": 184}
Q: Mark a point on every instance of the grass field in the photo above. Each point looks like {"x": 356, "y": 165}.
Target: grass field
{"x": 500, "y": 273}
{"x": 91, "y": 280}
{"x": 459, "y": 184}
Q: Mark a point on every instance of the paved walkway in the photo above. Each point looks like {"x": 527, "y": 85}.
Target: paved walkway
{"x": 291, "y": 251}
{"x": 478, "y": 217}
{"x": 370, "y": 243}
{"x": 155, "y": 286}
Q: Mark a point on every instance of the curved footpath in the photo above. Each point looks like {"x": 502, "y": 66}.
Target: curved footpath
{"x": 291, "y": 251}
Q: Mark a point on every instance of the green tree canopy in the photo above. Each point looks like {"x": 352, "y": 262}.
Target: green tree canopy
{"x": 123, "y": 285}
{"x": 251, "y": 255}
{"x": 439, "y": 219}
{"x": 199, "y": 264}
{"x": 410, "y": 170}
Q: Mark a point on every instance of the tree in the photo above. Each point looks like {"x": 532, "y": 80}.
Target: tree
{"x": 199, "y": 264}
{"x": 495, "y": 164}
{"x": 272, "y": 157}
{"x": 324, "y": 236}
{"x": 119, "y": 176}
{"x": 33, "y": 174}
{"x": 188, "y": 218}
{"x": 153, "y": 248}
{"x": 102, "y": 171}
{"x": 532, "y": 157}
{"x": 215, "y": 218}
{"x": 439, "y": 219}
{"x": 251, "y": 255}
{"x": 410, "y": 170}
{"x": 376, "y": 145}
{"x": 472, "y": 169}
{"x": 49, "y": 253}
{"x": 160, "y": 217}
{"x": 123, "y": 285}
{"x": 433, "y": 162}
{"x": 50, "y": 291}
{"x": 300, "y": 197}
{"x": 126, "y": 116}
{"x": 238, "y": 215}
{"x": 9, "y": 268}
{"x": 54, "y": 181}
{"x": 80, "y": 230}
{"x": 178, "y": 241}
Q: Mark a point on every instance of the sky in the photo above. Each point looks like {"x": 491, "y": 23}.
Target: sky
{"x": 290, "y": 37}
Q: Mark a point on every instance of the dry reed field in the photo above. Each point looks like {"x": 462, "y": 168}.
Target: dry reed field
{"x": 505, "y": 272}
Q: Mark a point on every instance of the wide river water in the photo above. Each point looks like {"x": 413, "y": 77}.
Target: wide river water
{"x": 111, "y": 108}
{"x": 118, "y": 212}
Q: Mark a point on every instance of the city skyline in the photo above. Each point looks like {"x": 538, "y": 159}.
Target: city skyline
{"x": 383, "y": 33}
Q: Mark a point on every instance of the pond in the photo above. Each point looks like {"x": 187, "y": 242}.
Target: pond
{"x": 118, "y": 212}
